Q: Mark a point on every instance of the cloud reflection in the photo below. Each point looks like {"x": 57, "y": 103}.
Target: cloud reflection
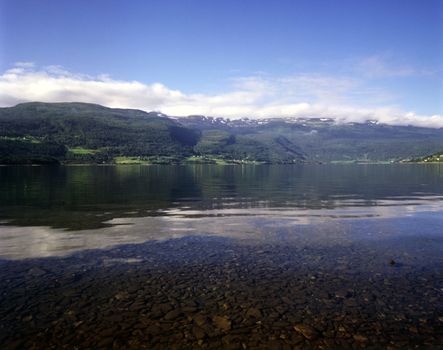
{"x": 248, "y": 225}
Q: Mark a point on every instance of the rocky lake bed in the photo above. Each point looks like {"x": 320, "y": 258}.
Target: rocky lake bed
{"x": 201, "y": 292}
{"x": 221, "y": 257}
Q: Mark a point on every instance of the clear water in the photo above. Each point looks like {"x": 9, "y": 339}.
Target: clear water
{"x": 352, "y": 251}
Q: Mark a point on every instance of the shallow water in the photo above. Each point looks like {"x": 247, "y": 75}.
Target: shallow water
{"x": 314, "y": 256}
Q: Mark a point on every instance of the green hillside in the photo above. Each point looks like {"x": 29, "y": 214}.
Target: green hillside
{"x": 260, "y": 147}
{"x": 323, "y": 140}
{"x": 87, "y": 133}
{"x": 79, "y": 132}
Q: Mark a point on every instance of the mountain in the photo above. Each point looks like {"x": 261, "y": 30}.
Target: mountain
{"x": 29, "y": 132}
{"x": 324, "y": 140}
{"x": 88, "y": 133}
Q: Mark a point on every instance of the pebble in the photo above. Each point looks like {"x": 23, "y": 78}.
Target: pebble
{"x": 36, "y": 271}
{"x": 198, "y": 332}
{"x": 171, "y": 315}
{"x": 253, "y": 312}
{"x": 307, "y": 331}
{"x": 176, "y": 297}
{"x": 222, "y": 322}
{"x": 360, "y": 338}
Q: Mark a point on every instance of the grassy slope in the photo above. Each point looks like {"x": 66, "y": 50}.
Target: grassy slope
{"x": 329, "y": 142}
{"x": 94, "y": 133}
{"x": 87, "y": 133}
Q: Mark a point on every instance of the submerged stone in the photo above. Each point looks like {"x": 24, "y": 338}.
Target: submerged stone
{"x": 253, "y": 312}
{"x": 307, "y": 331}
{"x": 360, "y": 338}
{"x": 222, "y": 322}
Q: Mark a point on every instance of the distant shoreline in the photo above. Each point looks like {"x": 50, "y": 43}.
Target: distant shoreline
{"x": 216, "y": 164}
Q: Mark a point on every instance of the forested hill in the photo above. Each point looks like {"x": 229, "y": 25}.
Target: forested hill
{"x": 80, "y": 132}
{"x": 87, "y": 133}
{"x": 324, "y": 140}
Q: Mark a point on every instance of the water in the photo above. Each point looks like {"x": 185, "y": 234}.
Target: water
{"x": 309, "y": 256}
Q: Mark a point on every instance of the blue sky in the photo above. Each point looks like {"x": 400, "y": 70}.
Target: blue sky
{"x": 379, "y": 56}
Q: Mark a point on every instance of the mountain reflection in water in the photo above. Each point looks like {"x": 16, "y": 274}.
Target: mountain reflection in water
{"x": 54, "y": 211}
{"x": 186, "y": 257}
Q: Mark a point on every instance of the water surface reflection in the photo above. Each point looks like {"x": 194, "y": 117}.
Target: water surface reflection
{"x": 307, "y": 257}
{"x": 50, "y": 211}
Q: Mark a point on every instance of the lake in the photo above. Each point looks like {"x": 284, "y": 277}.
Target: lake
{"x": 206, "y": 256}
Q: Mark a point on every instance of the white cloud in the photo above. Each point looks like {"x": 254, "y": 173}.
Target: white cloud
{"x": 382, "y": 66}
{"x": 24, "y": 64}
{"x": 301, "y": 95}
